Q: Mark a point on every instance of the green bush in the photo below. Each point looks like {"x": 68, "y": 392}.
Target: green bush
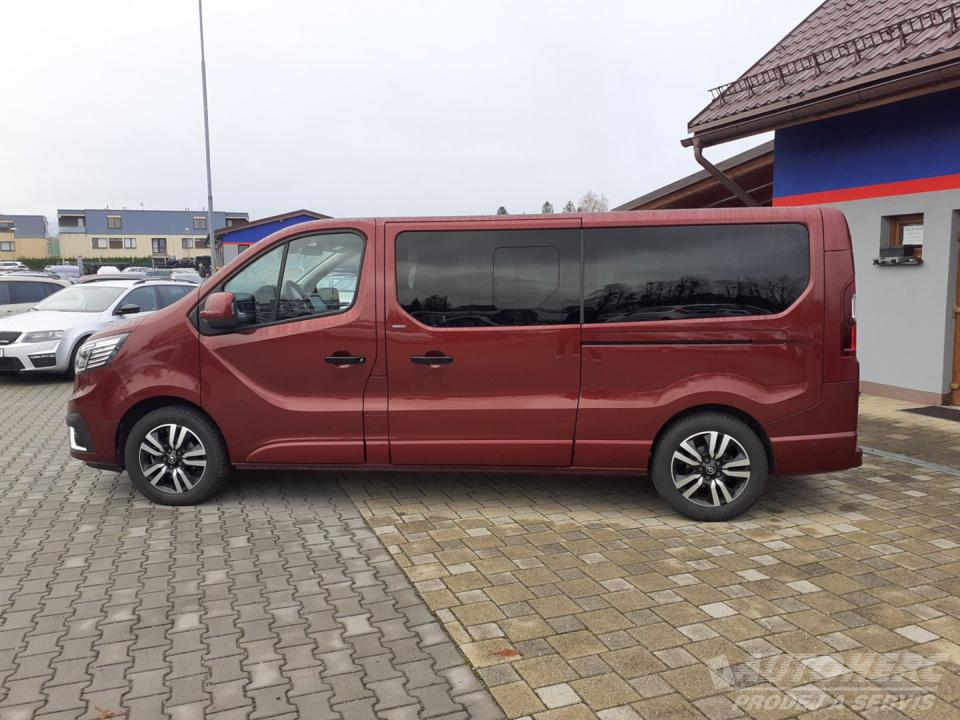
{"x": 41, "y": 263}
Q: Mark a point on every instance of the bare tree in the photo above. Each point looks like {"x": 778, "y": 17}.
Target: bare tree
{"x": 592, "y": 202}
{"x": 547, "y": 208}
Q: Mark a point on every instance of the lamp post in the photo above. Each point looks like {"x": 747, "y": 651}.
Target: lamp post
{"x": 216, "y": 254}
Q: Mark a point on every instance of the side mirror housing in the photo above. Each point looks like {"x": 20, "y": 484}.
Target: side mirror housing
{"x": 128, "y": 309}
{"x": 219, "y": 311}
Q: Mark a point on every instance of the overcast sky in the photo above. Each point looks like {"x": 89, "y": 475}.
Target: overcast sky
{"x": 362, "y": 107}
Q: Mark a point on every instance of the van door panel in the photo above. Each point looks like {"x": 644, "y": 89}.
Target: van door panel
{"x": 636, "y": 376}
{"x": 509, "y": 395}
{"x": 274, "y": 395}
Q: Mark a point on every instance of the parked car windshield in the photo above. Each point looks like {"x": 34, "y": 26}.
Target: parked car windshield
{"x": 81, "y": 298}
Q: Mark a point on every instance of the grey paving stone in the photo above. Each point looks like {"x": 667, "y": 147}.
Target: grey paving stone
{"x": 275, "y": 600}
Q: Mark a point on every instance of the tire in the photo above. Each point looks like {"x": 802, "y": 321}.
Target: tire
{"x": 696, "y": 489}
{"x": 176, "y": 456}
{"x": 71, "y": 368}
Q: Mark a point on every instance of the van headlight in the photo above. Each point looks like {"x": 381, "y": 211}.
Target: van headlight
{"x": 42, "y": 336}
{"x": 97, "y": 353}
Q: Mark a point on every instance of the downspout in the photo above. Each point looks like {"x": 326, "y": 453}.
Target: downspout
{"x": 721, "y": 177}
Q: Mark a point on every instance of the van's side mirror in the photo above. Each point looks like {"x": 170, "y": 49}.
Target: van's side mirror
{"x": 219, "y": 311}
{"x": 128, "y": 309}
{"x": 329, "y": 296}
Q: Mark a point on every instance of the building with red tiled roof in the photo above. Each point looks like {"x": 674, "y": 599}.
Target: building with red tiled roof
{"x": 863, "y": 98}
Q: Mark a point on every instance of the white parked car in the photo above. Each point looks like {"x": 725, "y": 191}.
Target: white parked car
{"x": 10, "y": 265}
{"x": 19, "y": 293}
{"x": 108, "y": 270}
{"x": 46, "y": 338}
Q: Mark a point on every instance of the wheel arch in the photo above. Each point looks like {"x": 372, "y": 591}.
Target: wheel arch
{"x": 74, "y": 349}
{"x": 718, "y": 408}
{"x": 147, "y": 405}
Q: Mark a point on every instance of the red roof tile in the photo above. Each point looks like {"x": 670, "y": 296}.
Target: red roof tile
{"x": 842, "y": 41}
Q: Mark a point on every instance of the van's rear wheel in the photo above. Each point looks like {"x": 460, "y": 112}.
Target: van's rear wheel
{"x": 710, "y": 466}
{"x": 176, "y": 456}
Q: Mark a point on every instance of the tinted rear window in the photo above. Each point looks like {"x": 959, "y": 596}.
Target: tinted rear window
{"x": 673, "y": 273}
{"x": 31, "y": 292}
{"x": 484, "y": 278}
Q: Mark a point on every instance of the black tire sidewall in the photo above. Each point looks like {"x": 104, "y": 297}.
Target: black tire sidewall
{"x": 702, "y": 422}
{"x": 71, "y": 367}
{"x": 214, "y": 474}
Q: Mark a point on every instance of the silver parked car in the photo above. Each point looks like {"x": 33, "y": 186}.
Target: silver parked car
{"x": 21, "y": 290}
{"x": 46, "y": 338}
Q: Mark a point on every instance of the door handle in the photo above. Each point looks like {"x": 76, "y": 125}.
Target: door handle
{"x": 431, "y": 358}
{"x": 345, "y": 359}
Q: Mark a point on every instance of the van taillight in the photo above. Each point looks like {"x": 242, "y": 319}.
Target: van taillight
{"x": 849, "y": 335}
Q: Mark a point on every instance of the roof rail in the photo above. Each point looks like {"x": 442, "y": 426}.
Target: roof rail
{"x": 161, "y": 279}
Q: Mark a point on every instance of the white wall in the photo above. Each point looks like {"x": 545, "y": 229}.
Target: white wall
{"x": 904, "y": 314}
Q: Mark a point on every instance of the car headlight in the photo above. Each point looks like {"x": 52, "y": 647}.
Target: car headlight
{"x": 42, "y": 336}
{"x": 97, "y": 353}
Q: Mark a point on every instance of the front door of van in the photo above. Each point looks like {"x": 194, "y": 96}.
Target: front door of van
{"x": 286, "y": 386}
{"x": 483, "y": 341}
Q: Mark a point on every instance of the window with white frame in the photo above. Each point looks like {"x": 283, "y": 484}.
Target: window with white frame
{"x": 186, "y": 243}
{"x": 130, "y": 243}
{"x": 8, "y": 246}
{"x": 99, "y": 243}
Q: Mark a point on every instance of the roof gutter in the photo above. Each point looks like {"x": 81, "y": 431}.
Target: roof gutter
{"x": 721, "y": 177}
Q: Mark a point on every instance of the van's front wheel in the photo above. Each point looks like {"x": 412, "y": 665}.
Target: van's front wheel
{"x": 176, "y": 456}
{"x": 710, "y": 466}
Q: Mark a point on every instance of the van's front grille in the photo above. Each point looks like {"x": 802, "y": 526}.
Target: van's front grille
{"x": 8, "y": 338}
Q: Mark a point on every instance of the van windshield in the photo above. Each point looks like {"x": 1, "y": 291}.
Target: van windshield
{"x": 81, "y": 298}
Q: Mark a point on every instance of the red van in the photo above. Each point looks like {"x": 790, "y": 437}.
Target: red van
{"x": 705, "y": 348}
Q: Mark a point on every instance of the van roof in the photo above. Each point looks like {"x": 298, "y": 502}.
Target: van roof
{"x": 745, "y": 214}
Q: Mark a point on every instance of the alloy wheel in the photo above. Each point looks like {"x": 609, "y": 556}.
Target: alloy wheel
{"x": 172, "y": 458}
{"x": 710, "y": 468}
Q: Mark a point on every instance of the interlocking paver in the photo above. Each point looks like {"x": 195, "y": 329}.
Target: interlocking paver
{"x": 276, "y": 600}
{"x": 588, "y": 594}
{"x": 593, "y": 584}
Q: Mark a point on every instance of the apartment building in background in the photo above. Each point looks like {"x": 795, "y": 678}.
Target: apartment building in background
{"x": 158, "y": 234}
{"x": 23, "y": 236}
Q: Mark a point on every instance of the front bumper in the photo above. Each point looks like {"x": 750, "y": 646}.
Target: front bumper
{"x": 79, "y": 434}
{"x": 91, "y": 438}
{"x": 19, "y": 357}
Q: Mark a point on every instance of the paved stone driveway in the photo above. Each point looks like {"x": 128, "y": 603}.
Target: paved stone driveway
{"x": 299, "y": 595}
{"x": 277, "y": 601}
{"x": 585, "y": 597}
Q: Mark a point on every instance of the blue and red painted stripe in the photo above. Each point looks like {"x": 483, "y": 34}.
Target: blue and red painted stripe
{"x": 907, "y": 147}
{"x": 866, "y": 192}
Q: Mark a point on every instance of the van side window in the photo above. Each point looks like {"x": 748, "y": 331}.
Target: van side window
{"x": 486, "y": 278}
{"x": 255, "y": 288}
{"x": 696, "y": 271}
{"x": 319, "y": 277}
